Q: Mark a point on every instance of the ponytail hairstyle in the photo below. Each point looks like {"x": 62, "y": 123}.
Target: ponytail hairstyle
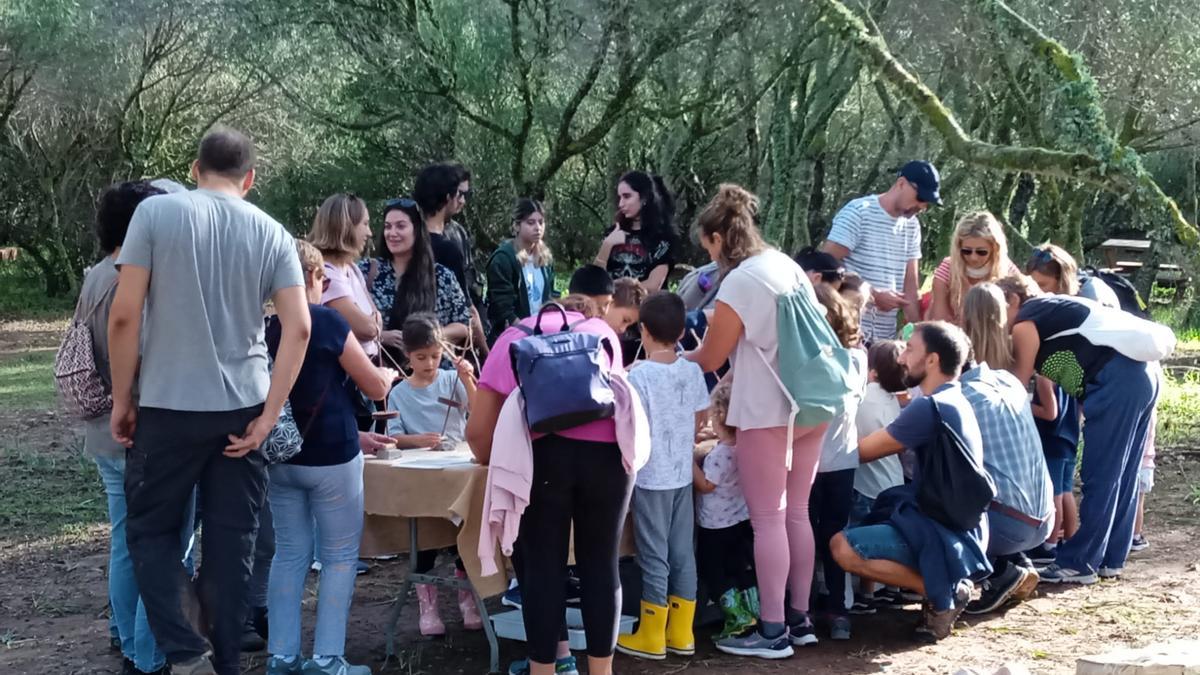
{"x": 731, "y": 213}
{"x": 658, "y": 209}
{"x": 984, "y": 315}
{"x": 1054, "y": 261}
{"x": 522, "y": 209}
{"x": 976, "y": 225}
{"x": 841, "y": 315}
{"x": 333, "y": 227}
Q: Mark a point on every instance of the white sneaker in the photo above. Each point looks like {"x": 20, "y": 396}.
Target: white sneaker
{"x": 1110, "y": 572}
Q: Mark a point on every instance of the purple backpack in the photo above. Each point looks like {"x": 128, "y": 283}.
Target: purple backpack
{"x": 562, "y": 375}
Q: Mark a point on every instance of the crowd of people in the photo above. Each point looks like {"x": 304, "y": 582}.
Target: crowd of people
{"x": 796, "y": 440}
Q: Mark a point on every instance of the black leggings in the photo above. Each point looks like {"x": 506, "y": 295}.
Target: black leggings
{"x": 725, "y": 558}
{"x": 829, "y": 511}
{"x": 584, "y": 483}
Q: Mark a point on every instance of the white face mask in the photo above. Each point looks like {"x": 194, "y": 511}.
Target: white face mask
{"x": 980, "y": 272}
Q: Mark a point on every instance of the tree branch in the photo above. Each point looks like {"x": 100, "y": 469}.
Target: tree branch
{"x": 1112, "y": 172}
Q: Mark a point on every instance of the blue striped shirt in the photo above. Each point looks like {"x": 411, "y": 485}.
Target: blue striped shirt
{"x": 1012, "y": 448}
{"x": 880, "y": 247}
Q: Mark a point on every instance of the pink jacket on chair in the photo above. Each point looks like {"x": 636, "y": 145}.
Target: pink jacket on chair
{"x": 510, "y": 472}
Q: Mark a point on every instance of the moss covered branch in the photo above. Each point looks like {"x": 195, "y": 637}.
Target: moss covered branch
{"x": 1095, "y": 158}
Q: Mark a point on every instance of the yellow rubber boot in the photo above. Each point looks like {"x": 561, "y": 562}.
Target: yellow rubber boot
{"x": 680, "y": 618}
{"x": 649, "y": 641}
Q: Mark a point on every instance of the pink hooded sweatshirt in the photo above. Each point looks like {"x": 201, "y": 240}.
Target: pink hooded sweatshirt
{"x": 510, "y": 473}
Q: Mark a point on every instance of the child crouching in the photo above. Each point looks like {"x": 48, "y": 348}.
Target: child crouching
{"x": 724, "y": 537}
{"x": 674, "y": 396}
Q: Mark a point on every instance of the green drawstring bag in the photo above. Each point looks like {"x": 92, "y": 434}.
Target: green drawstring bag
{"x": 816, "y": 372}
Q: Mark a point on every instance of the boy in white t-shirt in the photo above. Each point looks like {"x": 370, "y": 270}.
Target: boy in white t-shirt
{"x": 675, "y": 398}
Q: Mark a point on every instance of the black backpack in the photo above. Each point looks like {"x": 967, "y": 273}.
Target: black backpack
{"x": 954, "y": 488}
{"x": 1127, "y": 294}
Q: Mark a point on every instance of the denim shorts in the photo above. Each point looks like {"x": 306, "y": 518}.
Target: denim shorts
{"x": 1060, "y": 462}
{"x": 881, "y": 542}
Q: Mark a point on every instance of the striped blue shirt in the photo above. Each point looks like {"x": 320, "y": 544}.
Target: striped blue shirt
{"x": 1012, "y": 448}
{"x": 880, "y": 247}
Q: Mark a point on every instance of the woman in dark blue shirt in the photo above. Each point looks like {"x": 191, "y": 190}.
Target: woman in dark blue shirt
{"x": 1116, "y": 395}
{"x": 322, "y": 482}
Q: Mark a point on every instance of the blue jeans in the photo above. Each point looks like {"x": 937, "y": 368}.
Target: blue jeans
{"x": 128, "y": 611}
{"x": 860, "y": 507}
{"x": 1008, "y": 536}
{"x": 333, "y": 495}
{"x": 1117, "y": 411}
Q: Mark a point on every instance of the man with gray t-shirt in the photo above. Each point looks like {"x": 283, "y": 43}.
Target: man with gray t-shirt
{"x": 202, "y": 264}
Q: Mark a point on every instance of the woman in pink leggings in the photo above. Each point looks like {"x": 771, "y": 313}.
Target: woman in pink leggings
{"x": 743, "y": 330}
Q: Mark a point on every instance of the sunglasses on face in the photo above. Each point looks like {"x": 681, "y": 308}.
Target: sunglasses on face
{"x": 325, "y": 281}
{"x": 968, "y": 252}
{"x": 465, "y": 194}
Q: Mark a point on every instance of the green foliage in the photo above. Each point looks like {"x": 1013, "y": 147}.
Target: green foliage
{"x": 557, "y": 98}
{"x": 24, "y": 294}
{"x": 1179, "y": 410}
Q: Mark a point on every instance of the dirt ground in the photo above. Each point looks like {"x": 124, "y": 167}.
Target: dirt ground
{"x": 53, "y": 607}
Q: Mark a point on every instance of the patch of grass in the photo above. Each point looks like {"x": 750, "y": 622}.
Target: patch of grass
{"x": 1179, "y": 409}
{"x": 49, "y": 493}
{"x": 27, "y": 381}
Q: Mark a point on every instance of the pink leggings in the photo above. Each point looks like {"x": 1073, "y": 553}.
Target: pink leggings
{"x": 778, "y": 501}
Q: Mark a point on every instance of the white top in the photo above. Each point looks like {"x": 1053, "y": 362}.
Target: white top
{"x": 751, "y": 290}
{"x": 880, "y": 247}
{"x": 839, "y": 450}
{"x": 671, "y": 394}
{"x": 725, "y": 506}
{"x": 877, "y": 410}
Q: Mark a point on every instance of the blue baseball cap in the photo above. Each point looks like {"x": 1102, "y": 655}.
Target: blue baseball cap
{"x": 924, "y": 177}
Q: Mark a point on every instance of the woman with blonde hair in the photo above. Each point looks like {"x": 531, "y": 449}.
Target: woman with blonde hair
{"x": 520, "y": 273}
{"x": 340, "y": 232}
{"x": 985, "y": 321}
{"x": 978, "y": 253}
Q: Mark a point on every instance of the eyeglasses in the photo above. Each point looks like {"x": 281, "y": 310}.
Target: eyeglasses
{"x": 968, "y": 252}
{"x": 465, "y": 194}
{"x": 833, "y": 276}
{"x": 400, "y": 202}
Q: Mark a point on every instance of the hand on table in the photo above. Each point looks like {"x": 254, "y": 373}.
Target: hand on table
{"x": 371, "y": 442}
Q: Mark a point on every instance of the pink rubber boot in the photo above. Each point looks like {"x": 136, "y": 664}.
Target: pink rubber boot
{"x": 466, "y": 605}
{"x": 431, "y": 622}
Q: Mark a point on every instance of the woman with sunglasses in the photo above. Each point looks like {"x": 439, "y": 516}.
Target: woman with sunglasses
{"x": 404, "y": 279}
{"x": 978, "y": 253}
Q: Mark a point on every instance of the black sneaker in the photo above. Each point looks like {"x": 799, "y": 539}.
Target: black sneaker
{"x": 802, "y": 634}
{"x": 863, "y": 604}
{"x": 996, "y": 590}
{"x": 1041, "y": 555}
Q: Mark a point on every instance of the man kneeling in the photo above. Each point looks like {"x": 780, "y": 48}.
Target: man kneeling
{"x": 900, "y": 545}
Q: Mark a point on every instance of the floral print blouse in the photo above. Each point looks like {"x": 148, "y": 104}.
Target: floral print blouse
{"x": 450, "y": 307}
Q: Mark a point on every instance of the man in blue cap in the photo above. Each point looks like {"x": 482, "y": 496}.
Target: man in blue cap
{"x": 879, "y": 237}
